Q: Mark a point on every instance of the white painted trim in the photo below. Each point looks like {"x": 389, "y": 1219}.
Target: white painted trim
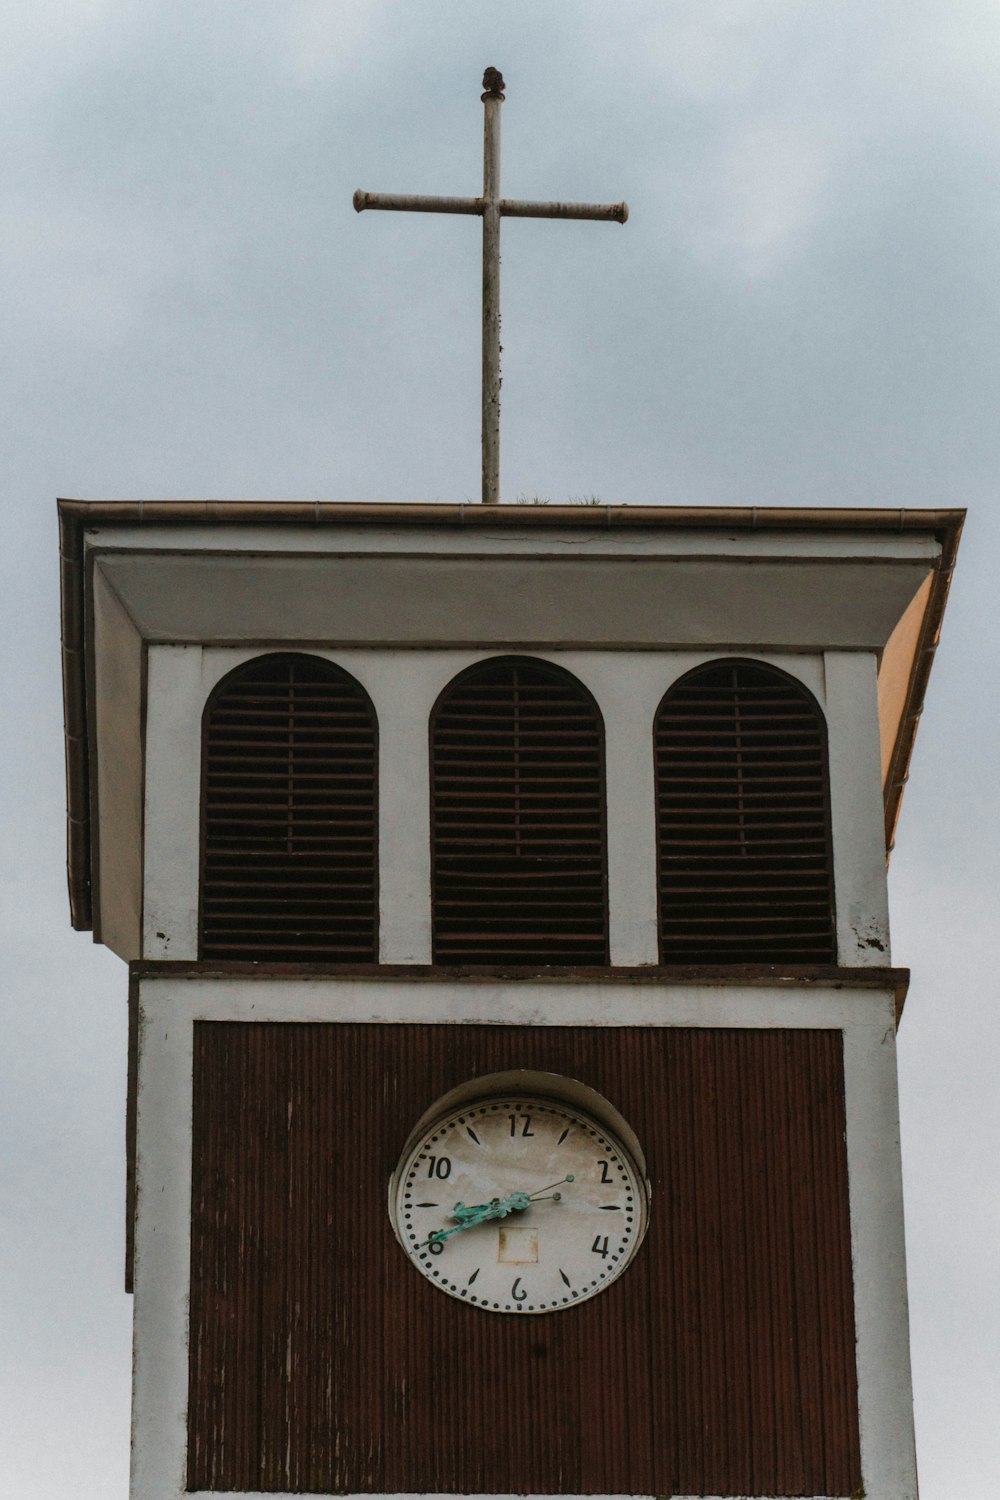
{"x": 169, "y": 1005}
{"x": 399, "y": 999}
{"x": 878, "y": 1250}
{"x": 162, "y": 1257}
{"x": 172, "y": 847}
{"x": 860, "y": 888}
{"x": 400, "y": 697}
{"x": 530, "y": 541}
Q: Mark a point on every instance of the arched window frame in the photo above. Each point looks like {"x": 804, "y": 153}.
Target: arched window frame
{"x": 334, "y": 672}
{"x": 559, "y": 672}
{"x": 810, "y": 701}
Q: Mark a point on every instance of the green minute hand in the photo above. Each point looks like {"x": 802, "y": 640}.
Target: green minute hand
{"x": 469, "y": 1215}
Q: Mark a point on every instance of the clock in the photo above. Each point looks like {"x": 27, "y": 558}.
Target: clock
{"x": 528, "y": 1198}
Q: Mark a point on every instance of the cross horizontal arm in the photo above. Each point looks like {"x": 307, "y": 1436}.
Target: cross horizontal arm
{"x": 417, "y": 203}
{"x": 513, "y": 208}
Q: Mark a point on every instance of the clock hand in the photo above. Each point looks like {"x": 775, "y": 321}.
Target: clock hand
{"x": 470, "y": 1213}
{"x": 514, "y": 1203}
{"x": 536, "y": 1197}
{"x": 498, "y": 1208}
{"x": 438, "y": 1236}
{"x": 479, "y": 1213}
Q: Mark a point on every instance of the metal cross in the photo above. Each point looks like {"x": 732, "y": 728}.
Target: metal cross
{"x": 491, "y": 208}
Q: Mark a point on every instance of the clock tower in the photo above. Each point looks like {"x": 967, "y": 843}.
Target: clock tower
{"x": 512, "y": 1102}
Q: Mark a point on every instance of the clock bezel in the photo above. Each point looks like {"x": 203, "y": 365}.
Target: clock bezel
{"x": 553, "y": 1089}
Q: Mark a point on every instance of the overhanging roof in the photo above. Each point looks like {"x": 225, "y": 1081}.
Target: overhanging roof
{"x": 913, "y": 645}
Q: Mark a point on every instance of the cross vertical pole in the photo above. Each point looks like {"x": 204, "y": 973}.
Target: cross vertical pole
{"x": 492, "y": 100}
{"x": 491, "y": 208}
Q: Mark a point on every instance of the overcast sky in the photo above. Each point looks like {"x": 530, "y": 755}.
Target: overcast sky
{"x": 802, "y": 308}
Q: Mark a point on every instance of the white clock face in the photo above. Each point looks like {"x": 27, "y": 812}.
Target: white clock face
{"x": 519, "y": 1204}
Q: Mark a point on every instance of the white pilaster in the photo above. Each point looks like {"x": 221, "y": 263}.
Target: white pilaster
{"x": 627, "y": 695}
{"x": 885, "y": 1396}
{"x": 856, "y": 809}
{"x": 175, "y": 698}
{"x": 399, "y": 689}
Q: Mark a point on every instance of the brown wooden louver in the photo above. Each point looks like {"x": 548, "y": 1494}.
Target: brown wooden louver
{"x": 517, "y": 815}
{"x": 745, "y": 863}
{"x": 289, "y": 815}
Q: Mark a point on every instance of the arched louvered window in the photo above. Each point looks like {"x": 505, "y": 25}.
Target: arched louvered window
{"x": 746, "y": 873}
{"x": 289, "y": 815}
{"x": 517, "y": 818}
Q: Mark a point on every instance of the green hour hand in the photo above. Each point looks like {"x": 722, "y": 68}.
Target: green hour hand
{"x": 469, "y": 1215}
{"x": 474, "y": 1213}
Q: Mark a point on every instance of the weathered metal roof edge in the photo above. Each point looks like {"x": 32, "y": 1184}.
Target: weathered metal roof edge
{"x": 331, "y": 512}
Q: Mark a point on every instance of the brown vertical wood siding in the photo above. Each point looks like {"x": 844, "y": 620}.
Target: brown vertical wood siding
{"x": 722, "y": 1362}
